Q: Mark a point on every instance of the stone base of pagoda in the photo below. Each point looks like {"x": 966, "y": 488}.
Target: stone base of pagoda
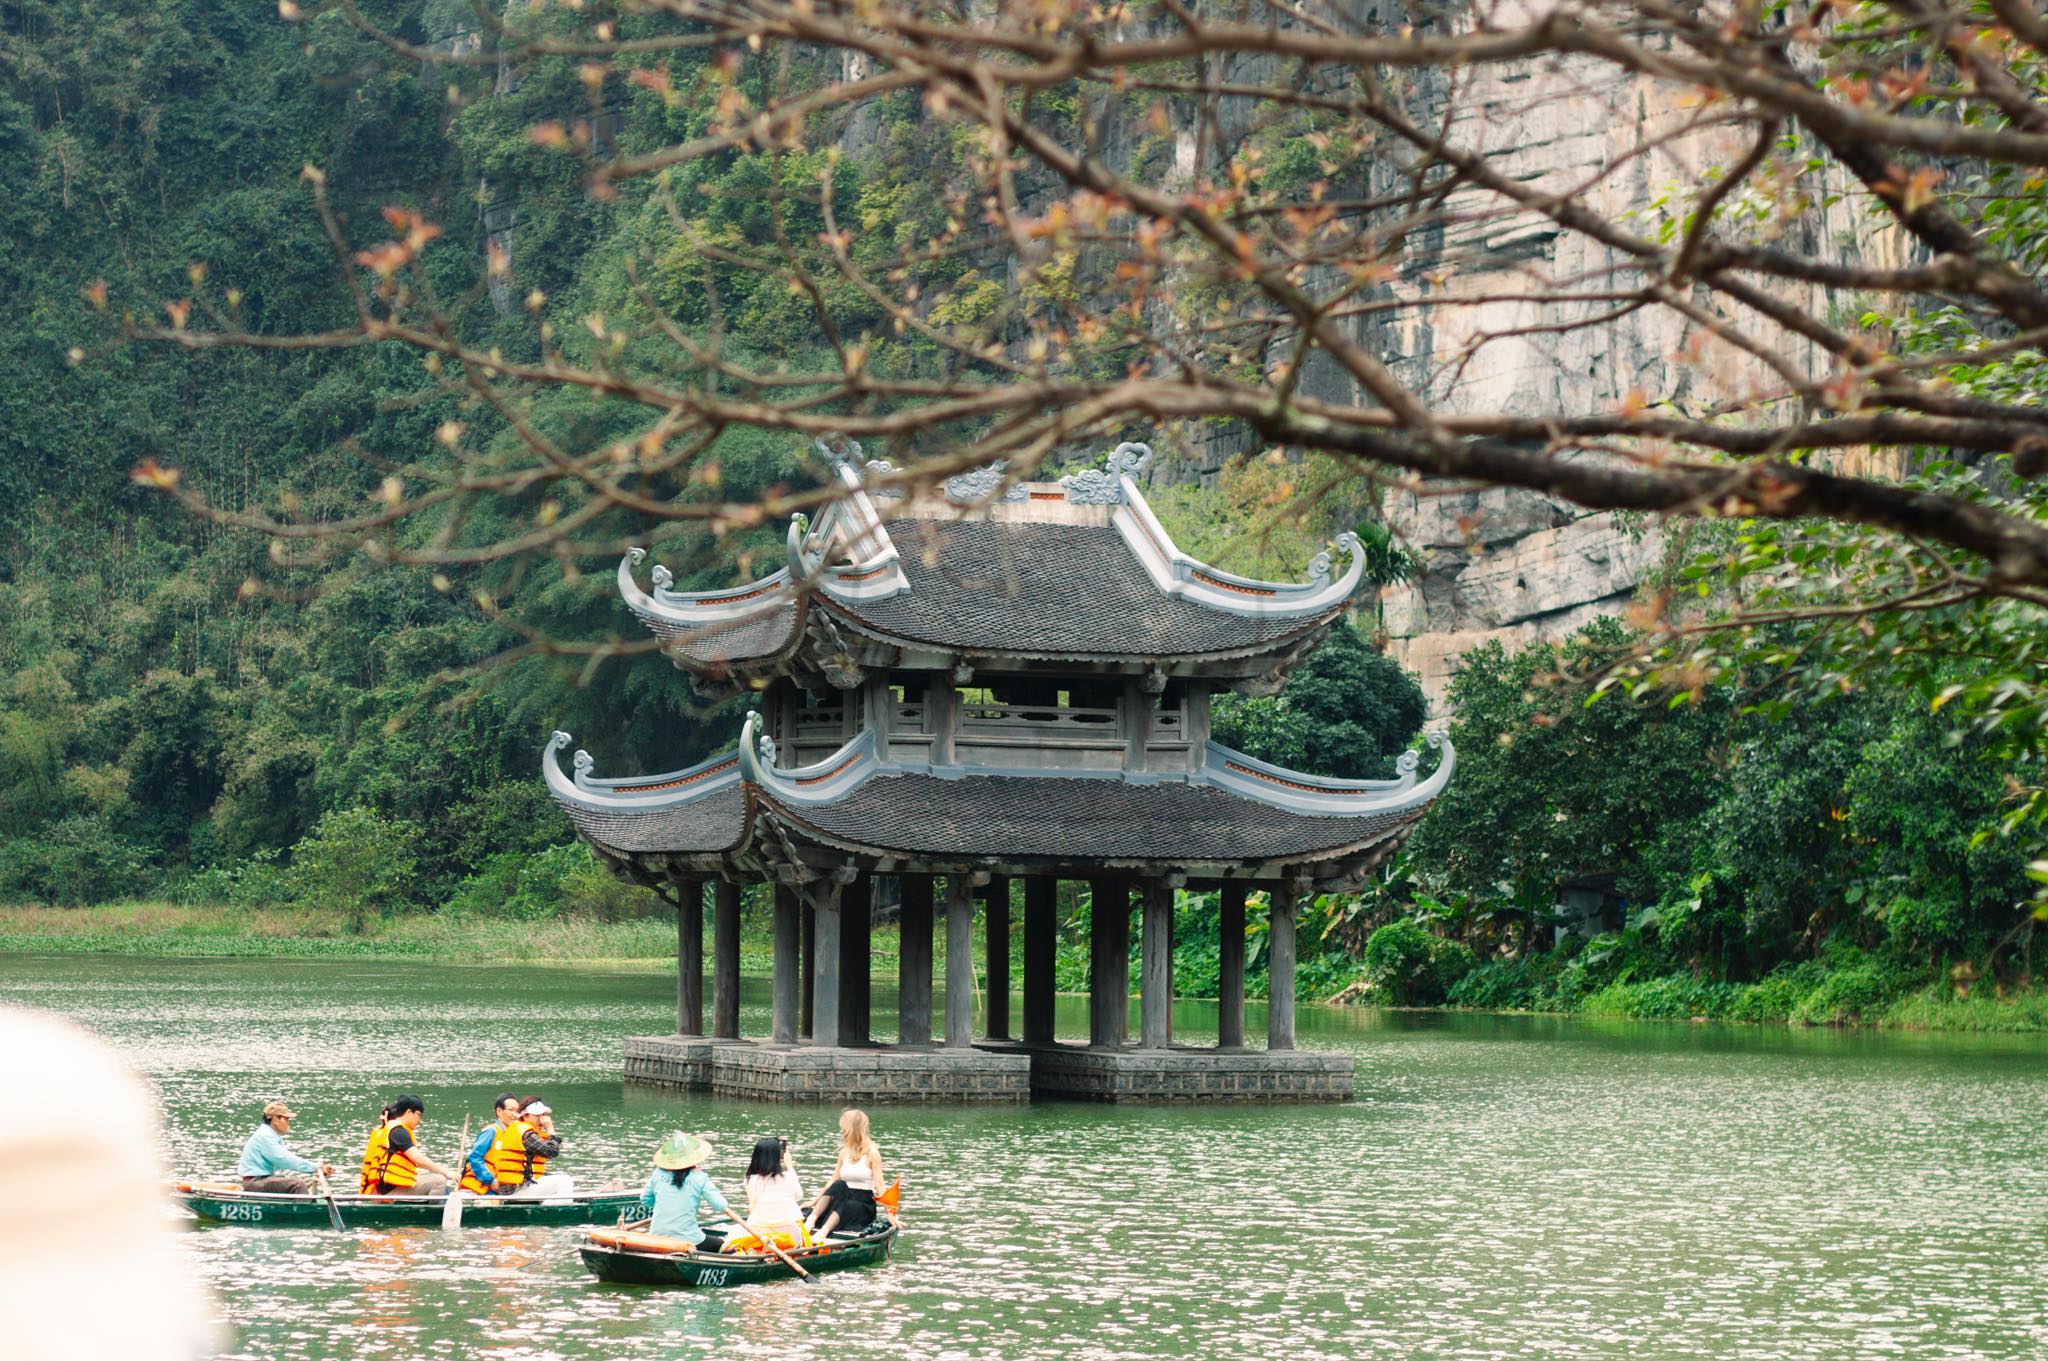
{"x": 1080, "y": 1073}
{"x": 870, "y": 1074}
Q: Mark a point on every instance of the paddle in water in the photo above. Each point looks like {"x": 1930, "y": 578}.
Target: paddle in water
{"x": 333, "y": 1210}
{"x": 451, "y": 1212}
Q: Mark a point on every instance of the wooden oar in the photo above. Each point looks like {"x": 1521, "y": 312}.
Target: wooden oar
{"x": 451, "y": 1212}
{"x": 772, "y": 1246}
{"x": 333, "y": 1210}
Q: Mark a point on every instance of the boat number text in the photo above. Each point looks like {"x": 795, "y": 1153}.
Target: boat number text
{"x": 248, "y": 1214}
{"x": 717, "y": 1275}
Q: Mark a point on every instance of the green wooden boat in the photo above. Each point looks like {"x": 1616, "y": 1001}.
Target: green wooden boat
{"x": 222, "y": 1204}
{"x": 609, "y": 1256}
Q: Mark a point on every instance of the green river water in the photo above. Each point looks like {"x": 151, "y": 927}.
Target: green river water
{"x": 1502, "y": 1187}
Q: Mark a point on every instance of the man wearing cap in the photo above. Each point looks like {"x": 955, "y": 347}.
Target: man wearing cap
{"x": 267, "y": 1165}
{"x": 541, "y": 1144}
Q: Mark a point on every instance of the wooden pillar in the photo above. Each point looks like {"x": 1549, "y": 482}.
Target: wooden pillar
{"x": 1155, "y": 1014}
{"x": 1230, "y": 967}
{"x": 959, "y": 961}
{"x": 1109, "y": 952}
{"x": 807, "y": 980}
{"x": 1041, "y": 950}
{"x": 690, "y": 957}
{"x": 996, "y": 926}
{"x": 826, "y": 1030}
{"x": 787, "y": 944}
{"x": 914, "y": 962}
{"x": 855, "y": 906}
{"x": 1280, "y": 953}
{"x": 725, "y": 961}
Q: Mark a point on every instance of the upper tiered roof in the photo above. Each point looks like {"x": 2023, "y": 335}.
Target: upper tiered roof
{"x": 993, "y": 575}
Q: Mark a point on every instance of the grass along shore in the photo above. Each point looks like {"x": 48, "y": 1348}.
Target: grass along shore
{"x": 169, "y": 930}
{"x": 174, "y": 930}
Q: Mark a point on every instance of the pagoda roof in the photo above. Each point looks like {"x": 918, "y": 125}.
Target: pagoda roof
{"x": 992, "y": 574}
{"x": 1231, "y": 816}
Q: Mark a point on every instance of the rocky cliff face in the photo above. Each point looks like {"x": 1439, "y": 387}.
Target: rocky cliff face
{"x": 1513, "y": 565}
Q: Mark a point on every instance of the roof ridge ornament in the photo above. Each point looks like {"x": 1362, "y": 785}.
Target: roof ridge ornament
{"x": 1326, "y": 562}
{"x": 847, "y": 454}
{"x": 757, "y": 749}
{"x": 804, "y": 562}
{"x": 982, "y": 484}
{"x": 1105, "y": 486}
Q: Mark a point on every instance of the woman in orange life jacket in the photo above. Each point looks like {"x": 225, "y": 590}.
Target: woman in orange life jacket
{"x": 393, "y": 1162}
{"x": 541, "y": 1144}
{"x": 513, "y": 1150}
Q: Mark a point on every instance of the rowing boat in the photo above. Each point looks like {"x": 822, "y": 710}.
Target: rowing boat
{"x": 627, "y": 1257}
{"x": 222, "y": 1203}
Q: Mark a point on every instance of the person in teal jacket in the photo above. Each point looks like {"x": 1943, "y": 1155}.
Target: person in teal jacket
{"x": 267, "y": 1165}
{"x": 678, "y": 1188}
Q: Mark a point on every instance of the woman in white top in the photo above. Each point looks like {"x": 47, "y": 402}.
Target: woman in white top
{"x": 849, "y": 1202}
{"x": 775, "y": 1197}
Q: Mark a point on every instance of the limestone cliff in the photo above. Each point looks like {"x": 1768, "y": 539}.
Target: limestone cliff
{"x": 1514, "y": 565}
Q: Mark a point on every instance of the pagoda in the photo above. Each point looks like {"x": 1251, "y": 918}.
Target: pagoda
{"x": 990, "y": 681}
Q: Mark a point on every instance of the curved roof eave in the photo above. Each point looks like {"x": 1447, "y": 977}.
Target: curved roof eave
{"x": 852, "y": 619}
{"x": 830, "y": 780}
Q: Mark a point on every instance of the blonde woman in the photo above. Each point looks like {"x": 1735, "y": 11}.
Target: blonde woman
{"x": 849, "y": 1202}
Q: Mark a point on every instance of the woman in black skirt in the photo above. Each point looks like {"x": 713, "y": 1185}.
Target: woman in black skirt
{"x": 849, "y": 1202}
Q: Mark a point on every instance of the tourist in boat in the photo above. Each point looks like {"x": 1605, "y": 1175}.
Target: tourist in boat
{"x": 394, "y": 1164}
{"x": 542, "y": 1145}
{"x": 775, "y": 1200}
{"x": 678, "y": 1188}
{"x": 496, "y": 1165}
{"x": 849, "y": 1202}
{"x": 267, "y": 1165}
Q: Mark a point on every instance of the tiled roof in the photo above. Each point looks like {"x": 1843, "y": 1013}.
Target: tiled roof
{"x": 1049, "y": 589}
{"x": 758, "y": 635}
{"x": 715, "y": 822}
{"x": 1072, "y": 819}
{"x": 1081, "y": 819}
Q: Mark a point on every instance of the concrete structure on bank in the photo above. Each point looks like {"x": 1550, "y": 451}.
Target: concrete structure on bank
{"x": 1000, "y": 681}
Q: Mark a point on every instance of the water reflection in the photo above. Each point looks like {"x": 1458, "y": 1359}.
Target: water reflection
{"x": 1522, "y": 1186}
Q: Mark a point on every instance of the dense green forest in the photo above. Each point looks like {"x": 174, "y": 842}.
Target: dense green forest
{"x": 182, "y": 717}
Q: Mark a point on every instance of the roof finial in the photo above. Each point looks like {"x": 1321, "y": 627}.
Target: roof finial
{"x": 757, "y": 749}
{"x": 1105, "y": 487}
{"x": 838, "y": 450}
{"x": 1325, "y": 562}
{"x": 803, "y": 563}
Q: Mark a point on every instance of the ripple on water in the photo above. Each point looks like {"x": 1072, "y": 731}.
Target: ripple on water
{"x": 1504, "y": 1188}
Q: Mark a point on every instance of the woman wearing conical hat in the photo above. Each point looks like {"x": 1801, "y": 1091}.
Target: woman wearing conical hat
{"x": 679, "y": 1189}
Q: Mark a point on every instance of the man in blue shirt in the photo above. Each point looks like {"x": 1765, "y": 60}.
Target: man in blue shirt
{"x": 267, "y": 1165}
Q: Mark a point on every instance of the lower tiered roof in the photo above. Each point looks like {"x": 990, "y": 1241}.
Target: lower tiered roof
{"x": 1232, "y": 816}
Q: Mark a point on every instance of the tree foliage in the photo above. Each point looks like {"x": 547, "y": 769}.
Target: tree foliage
{"x": 1347, "y": 711}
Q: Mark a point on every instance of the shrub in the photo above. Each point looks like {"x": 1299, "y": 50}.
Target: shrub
{"x": 261, "y": 880}
{"x": 560, "y": 881}
{"x": 73, "y": 861}
{"x": 1854, "y": 988}
{"x": 1404, "y": 963}
{"x": 359, "y": 861}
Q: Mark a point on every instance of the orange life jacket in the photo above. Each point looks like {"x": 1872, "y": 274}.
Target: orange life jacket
{"x": 383, "y": 1165}
{"x": 506, "y": 1158}
{"x": 536, "y": 1164}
